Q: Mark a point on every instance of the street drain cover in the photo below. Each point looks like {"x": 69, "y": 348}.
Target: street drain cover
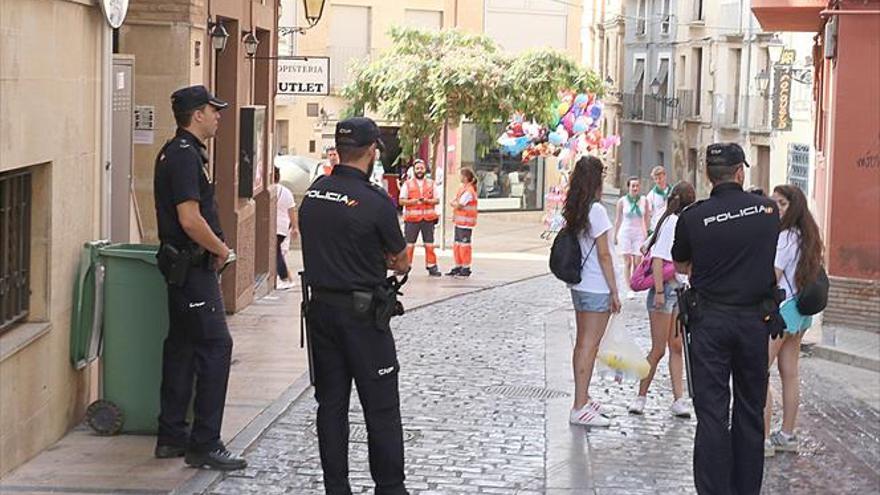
{"x": 522, "y": 392}
{"x": 358, "y": 433}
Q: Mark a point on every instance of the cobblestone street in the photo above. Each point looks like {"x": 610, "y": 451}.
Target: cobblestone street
{"x": 485, "y": 390}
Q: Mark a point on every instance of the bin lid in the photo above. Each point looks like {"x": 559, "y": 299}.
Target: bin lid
{"x": 142, "y": 252}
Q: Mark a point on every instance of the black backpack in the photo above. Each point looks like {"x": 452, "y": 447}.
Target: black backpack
{"x": 813, "y": 299}
{"x": 566, "y": 259}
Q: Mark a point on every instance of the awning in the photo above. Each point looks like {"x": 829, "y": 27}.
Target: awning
{"x": 638, "y": 74}
{"x": 663, "y": 72}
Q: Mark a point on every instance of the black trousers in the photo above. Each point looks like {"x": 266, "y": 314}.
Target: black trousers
{"x": 280, "y": 262}
{"x": 729, "y": 454}
{"x": 198, "y": 348}
{"x": 346, "y": 346}
{"x": 411, "y": 231}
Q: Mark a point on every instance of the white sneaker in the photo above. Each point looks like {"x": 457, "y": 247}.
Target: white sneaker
{"x": 680, "y": 408}
{"x": 637, "y": 406}
{"x": 283, "y": 284}
{"x": 588, "y": 416}
{"x": 783, "y": 442}
{"x": 769, "y": 449}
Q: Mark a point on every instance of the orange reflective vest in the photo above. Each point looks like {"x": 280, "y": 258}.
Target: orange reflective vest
{"x": 420, "y": 211}
{"x": 465, "y": 216}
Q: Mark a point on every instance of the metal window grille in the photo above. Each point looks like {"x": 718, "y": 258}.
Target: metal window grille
{"x": 15, "y": 247}
{"x": 799, "y": 166}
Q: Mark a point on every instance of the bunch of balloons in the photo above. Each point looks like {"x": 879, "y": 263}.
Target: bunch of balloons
{"x": 573, "y": 131}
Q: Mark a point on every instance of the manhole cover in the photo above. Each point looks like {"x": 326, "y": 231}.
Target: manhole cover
{"x": 525, "y": 392}
{"x": 358, "y": 433}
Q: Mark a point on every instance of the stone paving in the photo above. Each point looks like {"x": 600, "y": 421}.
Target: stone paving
{"x": 467, "y": 433}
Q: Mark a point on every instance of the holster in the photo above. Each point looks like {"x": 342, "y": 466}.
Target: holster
{"x": 174, "y": 263}
{"x": 385, "y": 303}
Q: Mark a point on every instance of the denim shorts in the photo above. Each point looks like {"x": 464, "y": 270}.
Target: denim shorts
{"x": 591, "y": 301}
{"x": 671, "y": 298}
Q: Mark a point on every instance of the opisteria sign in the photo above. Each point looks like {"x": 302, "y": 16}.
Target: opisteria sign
{"x": 304, "y": 76}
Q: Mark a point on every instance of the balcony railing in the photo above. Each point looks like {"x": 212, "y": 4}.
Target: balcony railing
{"x": 648, "y": 108}
{"x": 732, "y": 111}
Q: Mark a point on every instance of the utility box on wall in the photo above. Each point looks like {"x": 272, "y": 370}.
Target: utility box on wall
{"x": 251, "y": 169}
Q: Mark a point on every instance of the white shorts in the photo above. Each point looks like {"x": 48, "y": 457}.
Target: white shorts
{"x": 630, "y": 242}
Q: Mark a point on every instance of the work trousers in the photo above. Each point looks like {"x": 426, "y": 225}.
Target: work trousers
{"x": 346, "y": 346}
{"x": 729, "y": 454}
{"x": 411, "y": 231}
{"x": 198, "y": 348}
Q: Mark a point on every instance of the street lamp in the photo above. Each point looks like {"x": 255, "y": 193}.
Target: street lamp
{"x": 314, "y": 10}
{"x": 250, "y": 44}
{"x": 219, "y": 35}
{"x": 762, "y": 79}
{"x": 655, "y": 87}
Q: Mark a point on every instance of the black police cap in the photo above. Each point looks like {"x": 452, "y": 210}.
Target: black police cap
{"x": 358, "y": 132}
{"x": 725, "y": 154}
{"x": 193, "y": 97}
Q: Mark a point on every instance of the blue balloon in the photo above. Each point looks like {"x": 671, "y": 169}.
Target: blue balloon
{"x": 581, "y": 100}
{"x": 555, "y": 138}
{"x": 596, "y": 112}
{"x": 580, "y": 126}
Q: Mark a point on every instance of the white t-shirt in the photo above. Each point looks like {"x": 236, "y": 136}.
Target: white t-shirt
{"x": 658, "y": 207}
{"x": 592, "y": 278}
{"x": 665, "y": 239}
{"x": 787, "y": 257}
{"x": 285, "y": 203}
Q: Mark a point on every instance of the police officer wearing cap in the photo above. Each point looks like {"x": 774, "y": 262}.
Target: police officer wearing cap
{"x": 727, "y": 244}
{"x": 198, "y": 347}
{"x": 350, "y": 238}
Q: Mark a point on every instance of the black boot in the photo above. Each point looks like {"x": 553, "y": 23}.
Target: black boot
{"x": 169, "y": 451}
{"x": 454, "y": 272}
{"x": 219, "y": 459}
{"x": 465, "y": 272}
{"x": 433, "y": 271}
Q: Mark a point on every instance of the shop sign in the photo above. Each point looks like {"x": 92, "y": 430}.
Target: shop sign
{"x": 782, "y": 81}
{"x": 114, "y": 11}
{"x": 304, "y": 76}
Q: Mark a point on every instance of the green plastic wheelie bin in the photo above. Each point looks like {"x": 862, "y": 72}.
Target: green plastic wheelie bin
{"x": 130, "y": 300}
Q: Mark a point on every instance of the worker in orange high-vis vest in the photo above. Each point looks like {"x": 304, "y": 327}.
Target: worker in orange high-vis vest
{"x": 419, "y": 197}
{"x": 464, "y": 208}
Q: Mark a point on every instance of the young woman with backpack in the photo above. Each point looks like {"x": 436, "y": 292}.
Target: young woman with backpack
{"x": 798, "y": 266}
{"x": 662, "y": 301}
{"x": 595, "y": 297}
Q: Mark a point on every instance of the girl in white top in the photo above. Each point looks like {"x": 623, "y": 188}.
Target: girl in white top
{"x": 662, "y": 308}
{"x": 631, "y": 227}
{"x": 595, "y": 297}
{"x": 798, "y": 262}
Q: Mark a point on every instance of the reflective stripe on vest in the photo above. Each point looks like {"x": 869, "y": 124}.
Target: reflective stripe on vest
{"x": 419, "y": 212}
{"x": 465, "y": 216}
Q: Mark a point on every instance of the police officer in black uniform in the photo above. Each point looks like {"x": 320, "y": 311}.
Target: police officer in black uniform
{"x": 350, "y": 238}
{"x": 728, "y": 243}
{"x": 198, "y": 346}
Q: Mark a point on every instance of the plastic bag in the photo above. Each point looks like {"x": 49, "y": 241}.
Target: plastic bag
{"x": 620, "y": 357}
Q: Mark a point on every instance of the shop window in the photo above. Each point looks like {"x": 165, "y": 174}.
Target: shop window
{"x": 312, "y": 110}
{"x": 15, "y": 248}
{"x": 504, "y": 182}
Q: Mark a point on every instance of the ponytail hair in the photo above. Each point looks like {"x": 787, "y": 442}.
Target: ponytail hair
{"x": 682, "y": 196}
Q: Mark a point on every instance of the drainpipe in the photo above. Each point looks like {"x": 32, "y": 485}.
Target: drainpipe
{"x": 106, "y": 127}
{"x": 747, "y": 98}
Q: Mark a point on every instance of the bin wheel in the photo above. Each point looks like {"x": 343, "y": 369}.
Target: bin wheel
{"x": 105, "y": 417}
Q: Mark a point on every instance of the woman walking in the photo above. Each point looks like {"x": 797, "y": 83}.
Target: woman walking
{"x": 595, "y": 297}
{"x": 662, "y": 301}
{"x": 798, "y": 262}
{"x": 631, "y": 227}
{"x": 464, "y": 216}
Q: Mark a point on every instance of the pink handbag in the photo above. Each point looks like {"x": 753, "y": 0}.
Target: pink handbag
{"x": 643, "y": 276}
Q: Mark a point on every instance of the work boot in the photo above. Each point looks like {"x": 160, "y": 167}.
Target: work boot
{"x": 433, "y": 271}
{"x": 219, "y": 459}
{"x": 169, "y": 451}
{"x": 464, "y": 272}
{"x": 455, "y": 271}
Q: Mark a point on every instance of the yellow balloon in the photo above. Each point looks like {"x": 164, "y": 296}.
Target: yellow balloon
{"x": 562, "y": 109}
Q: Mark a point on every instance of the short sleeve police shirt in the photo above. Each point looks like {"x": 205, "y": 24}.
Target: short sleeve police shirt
{"x": 730, "y": 240}
{"x": 180, "y": 176}
{"x": 347, "y": 226}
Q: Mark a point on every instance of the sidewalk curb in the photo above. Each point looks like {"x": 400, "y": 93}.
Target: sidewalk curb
{"x": 830, "y": 353}
{"x": 204, "y": 479}
{"x": 246, "y": 437}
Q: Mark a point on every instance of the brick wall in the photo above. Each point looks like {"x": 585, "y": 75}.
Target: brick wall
{"x": 854, "y": 303}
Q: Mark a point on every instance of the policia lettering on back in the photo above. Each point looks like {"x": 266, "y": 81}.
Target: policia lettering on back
{"x": 350, "y": 234}
{"x": 729, "y": 243}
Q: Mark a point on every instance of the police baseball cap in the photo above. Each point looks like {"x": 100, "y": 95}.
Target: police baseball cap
{"x": 193, "y": 97}
{"x": 358, "y": 132}
{"x": 725, "y": 154}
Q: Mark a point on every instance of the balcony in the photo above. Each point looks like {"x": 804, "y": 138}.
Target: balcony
{"x": 633, "y": 106}
{"x": 648, "y": 108}
{"x": 688, "y": 106}
{"x": 789, "y": 15}
{"x": 731, "y": 111}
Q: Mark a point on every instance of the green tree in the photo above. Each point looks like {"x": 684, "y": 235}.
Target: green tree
{"x": 428, "y": 79}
